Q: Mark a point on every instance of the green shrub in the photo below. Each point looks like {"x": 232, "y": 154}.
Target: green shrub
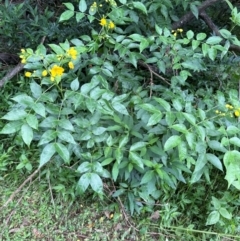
{"x": 88, "y": 106}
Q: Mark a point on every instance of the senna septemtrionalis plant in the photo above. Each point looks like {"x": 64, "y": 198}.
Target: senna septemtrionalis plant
{"x": 88, "y": 104}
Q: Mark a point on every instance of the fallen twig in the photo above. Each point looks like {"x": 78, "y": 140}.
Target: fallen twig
{"x": 20, "y": 188}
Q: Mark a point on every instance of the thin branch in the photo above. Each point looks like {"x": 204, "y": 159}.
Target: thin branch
{"x": 188, "y": 16}
{"x": 150, "y": 68}
{"x": 11, "y": 74}
{"x": 20, "y": 188}
{"x": 15, "y": 70}
{"x": 209, "y": 22}
{"x": 214, "y": 28}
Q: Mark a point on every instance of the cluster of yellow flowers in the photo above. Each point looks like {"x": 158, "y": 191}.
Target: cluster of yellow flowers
{"x": 94, "y": 7}
{"x": 175, "y": 32}
{"x": 24, "y": 55}
{"x": 111, "y": 2}
{"x": 56, "y": 70}
{"x": 233, "y": 111}
{"x": 107, "y": 23}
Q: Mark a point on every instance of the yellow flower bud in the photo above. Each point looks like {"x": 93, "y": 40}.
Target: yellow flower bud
{"x": 44, "y": 73}
{"x": 71, "y": 65}
{"x": 28, "y": 74}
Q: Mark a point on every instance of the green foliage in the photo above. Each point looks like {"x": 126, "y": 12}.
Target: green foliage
{"x": 88, "y": 106}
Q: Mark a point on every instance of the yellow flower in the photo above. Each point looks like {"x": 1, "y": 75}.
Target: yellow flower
{"x": 72, "y": 52}
{"x": 23, "y": 51}
{"x": 44, "y": 73}
{"x": 103, "y": 22}
{"x": 23, "y": 61}
{"x": 180, "y": 30}
{"x": 28, "y": 74}
{"x": 56, "y": 71}
{"x": 237, "y": 113}
{"x": 175, "y": 34}
{"x": 71, "y": 65}
{"x": 217, "y": 111}
{"x": 111, "y": 25}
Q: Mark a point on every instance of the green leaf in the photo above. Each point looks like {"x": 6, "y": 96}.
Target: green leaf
{"x": 170, "y": 118}
{"x": 190, "y": 137}
{"x": 172, "y": 142}
{"x": 99, "y": 130}
{"x": 133, "y": 59}
{"x": 120, "y": 108}
{"x": 49, "y": 122}
{"x": 140, "y": 6}
{"x": 82, "y": 6}
{"x": 143, "y": 45}
{"x": 115, "y": 171}
{"x": 224, "y": 212}
{"x": 66, "y": 136}
{"x": 96, "y": 182}
{"x": 118, "y": 154}
{"x": 182, "y": 151}
{"x": 24, "y": 100}
{"x": 214, "y": 40}
{"x": 85, "y": 167}
{"x": 147, "y": 177}
{"x": 80, "y": 16}
{"x": 212, "y": 53}
{"x": 231, "y": 161}
{"x": 11, "y": 127}
{"x": 136, "y": 159}
{"x": 39, "y": 108}
{"x": 47, "y": 136}
{"x": 195, "y": 44}
{"x": 200, "y": 163}
{"x": 66, "y": 15}
{"x": 47, "y": 153}
{"x": 84, "y": 182}
{"x": 150, "y": 108}
{"x": 56, "y": 48}
{"x": 232, "y": 130}
{"x": 36, "y": 90}
{"x": 136, "y": 37}
{"x": 123, "y": 141}
{"x": 179, "y": 127}
{"x": 138, "y": 146}
{"x": 217, "y": 146}
{"x": 201, "y": 36}
{"x": 27, "y": 134}
{"x": 235, "y": 141}
{"x": 66, "y": 124}
{"x": 62, "y": 152}
{"x": 91, "y": 104}
{"x": 158, "y": 29}
{"x": 74, "y": 85}
{"x": 154, "y": 119}
{"x": 214, "y": 160}
{"x": 190, "y": 118}
{"x": 205, "y": 48}
{"x": 14, "y": 115}
{"x": 177, "y": 104}
{"x": 32, "y": 121}
{"x": 107, "y": 161}
{"x": 163, "y": 103}
{"x": 69, "y": 6}
{"x": 107, "y": 72}
{"x": 194, "y": 9}
{"x": 190, "y": 34}
{"x": 213, "y": 218}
